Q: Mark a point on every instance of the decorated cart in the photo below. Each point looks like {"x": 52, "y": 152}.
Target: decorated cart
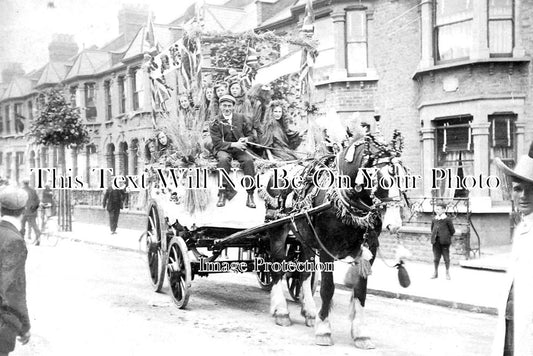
{"x": 187, "y": 235}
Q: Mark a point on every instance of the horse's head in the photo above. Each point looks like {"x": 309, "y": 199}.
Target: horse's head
{"x": 376, "y": 175}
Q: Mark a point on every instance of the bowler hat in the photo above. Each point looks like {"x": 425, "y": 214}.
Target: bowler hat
{"x": 227, "y": 98}
{"x": 13, "y": 198}
{"x": 523, "y": 169}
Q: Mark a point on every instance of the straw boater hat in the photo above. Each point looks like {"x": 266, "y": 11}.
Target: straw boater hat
{"x": 523, "y": 169}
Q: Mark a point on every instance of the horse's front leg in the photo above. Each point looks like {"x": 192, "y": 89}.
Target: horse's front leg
{"x": 357, "y": 313}
{"x": 327, "y": 288}
{"x": 278, "y": 304}
{"x": 308, "y": 302}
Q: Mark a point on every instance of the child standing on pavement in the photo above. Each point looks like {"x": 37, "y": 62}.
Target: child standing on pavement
{"x": 442, "y": 231}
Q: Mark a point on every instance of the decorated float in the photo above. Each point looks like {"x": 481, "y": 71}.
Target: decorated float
{"x": 187, "y": 79}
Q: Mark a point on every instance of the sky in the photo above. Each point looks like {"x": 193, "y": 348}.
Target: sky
{"x": 27, "y": 26}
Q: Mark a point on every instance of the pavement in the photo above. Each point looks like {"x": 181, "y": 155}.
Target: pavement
{"x": 475, "y": 290}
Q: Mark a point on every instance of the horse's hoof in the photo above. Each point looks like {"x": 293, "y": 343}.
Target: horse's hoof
{"x": 310, "y": 321}
{"x": 364, "y": 343}
{"x": 324, "y": 340}
{"x": 283, "y": 320}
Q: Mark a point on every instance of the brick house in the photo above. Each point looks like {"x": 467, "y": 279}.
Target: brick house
{"x": 452, "y": 75}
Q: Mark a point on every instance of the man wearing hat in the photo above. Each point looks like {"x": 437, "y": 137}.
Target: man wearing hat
{"x": 514, "y": 335}
{"x": 14, "y": 319}
{"x": 230, "y": 134}
{"x": 30, "y": 214}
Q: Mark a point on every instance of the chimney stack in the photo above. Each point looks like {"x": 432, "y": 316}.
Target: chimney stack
{"x": 62, "y": 48}
{"x": 131, "y": 18}
{"x": 11, "y": 71}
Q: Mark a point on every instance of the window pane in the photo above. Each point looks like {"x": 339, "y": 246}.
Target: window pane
{"x": 356, "y": 57}
{"x": 501, "y": 36}
{"x": 139, "y": 87}
{"x": 454, "y": 41}
{"x": 500, "y": 8}
{"x": 356, "y": 26}
{"x": 453, "y": 10}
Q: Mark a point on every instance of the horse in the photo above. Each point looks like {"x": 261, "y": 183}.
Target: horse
{"x": 348, "y": 229}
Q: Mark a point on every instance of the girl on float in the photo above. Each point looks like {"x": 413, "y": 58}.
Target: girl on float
{"x": 278, "y": 135}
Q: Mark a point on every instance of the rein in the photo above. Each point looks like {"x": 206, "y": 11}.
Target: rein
{"x": 275, "y": 149}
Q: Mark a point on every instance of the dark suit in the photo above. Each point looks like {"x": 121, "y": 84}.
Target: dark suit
{"x": 14, "y": 319}
{"x": 113, "y": 199}
{"x": 30, "y": 214}
{"x": 442, "y": 231}
{"x": 223, "y": 134}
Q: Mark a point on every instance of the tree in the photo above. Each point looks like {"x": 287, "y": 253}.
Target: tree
{"x": 58, "y": 124}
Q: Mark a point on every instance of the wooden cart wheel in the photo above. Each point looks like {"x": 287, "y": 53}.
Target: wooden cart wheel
{"x": 154, "y": 250}
{"x": 264, "y": 278}
{"x": 294, "y": 279}
{"x": 179, "y": 271}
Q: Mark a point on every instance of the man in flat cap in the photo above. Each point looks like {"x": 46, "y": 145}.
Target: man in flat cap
{"x": 514, "y": 335}
{"x": 30, "y": 214}
{"x": 14, "y": 319}
{"x": 230, "y": 134}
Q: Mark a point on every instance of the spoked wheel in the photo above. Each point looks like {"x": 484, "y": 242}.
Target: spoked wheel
{"x": 154, "y": 250}
{"x": 264, "y": 278}
{"x": 179, "y": 271}
{"x": 294, "y": 279}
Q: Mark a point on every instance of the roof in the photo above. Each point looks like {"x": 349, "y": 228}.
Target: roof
{"x": 140, "y": 45}
{"x": 53, "y": 73}
{"x": 220, "y": 19}
{"x": 242, "y": 3}
{"x": 285, "y": 14}
{"x": 116, "y": 45}
{"x": 17, "y": 88}
{"x": 35, "y": 74}
{"x": 3, "y": 88}
{"x": 89, "y": 62}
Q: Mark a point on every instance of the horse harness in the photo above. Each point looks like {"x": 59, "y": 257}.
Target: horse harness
{"x": 344, "y": 210}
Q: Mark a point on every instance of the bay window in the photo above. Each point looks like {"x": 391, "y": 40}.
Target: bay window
{"x": 90, "y": 101}
{"x": 8, "y": 119}
{"x": 501, "y": 27}
{"x": 137, "y": 88}
{"x": 454, "y": 151}
{"x": 121, "y": 95}
{"x": 356, "y": 41}
{"x": 107, "y": 97}
{"x": 453, "y": 29}
{"x": 502, "y": 142}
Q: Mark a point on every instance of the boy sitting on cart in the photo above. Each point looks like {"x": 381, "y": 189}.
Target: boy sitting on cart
{"x": 230, "y": 133}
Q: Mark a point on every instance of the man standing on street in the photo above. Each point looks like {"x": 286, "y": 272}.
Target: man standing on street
{"x": 14, "y": 319}
{"x": 30, "y": 215}
{"x": 113, "y": 199}
{"x": 514, "y": 335}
